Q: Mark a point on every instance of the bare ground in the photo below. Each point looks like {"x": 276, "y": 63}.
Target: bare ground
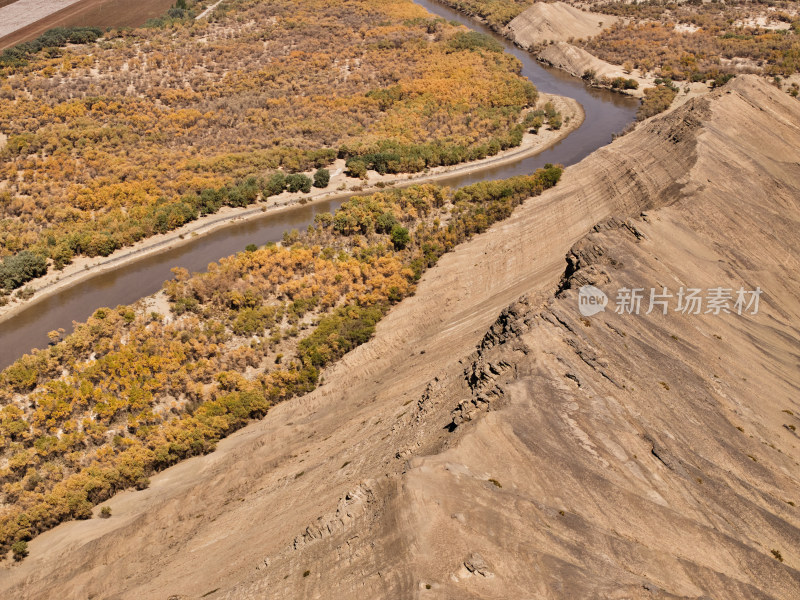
{"x": 556, "y": 21}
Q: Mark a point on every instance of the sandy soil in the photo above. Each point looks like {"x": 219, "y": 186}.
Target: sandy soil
{"x": 84, "y": 267}
{"x": 764, "y": 22}
{"x": 208, "y": 10}
{"x": 577, "y": 61}
{"x": 469, "y": 451}
{"x": 687, "y": 91}
{"x": 557, "y": 22}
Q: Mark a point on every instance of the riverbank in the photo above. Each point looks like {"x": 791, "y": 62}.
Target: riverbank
{"x": 339, "y": 188}
{"x": 546, "y": 32}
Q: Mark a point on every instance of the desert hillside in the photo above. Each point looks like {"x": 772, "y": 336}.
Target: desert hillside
{"x": 489, "y": 442}
{"x": 556, "y": 21}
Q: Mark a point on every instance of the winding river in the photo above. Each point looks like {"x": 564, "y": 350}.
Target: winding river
{"x": 606, "y": 113}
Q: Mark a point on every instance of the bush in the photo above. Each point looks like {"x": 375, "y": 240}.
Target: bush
{"x": 337, "y": 334}
{"x": 322, "y": 178}
{"x": 274, "y": 185}
{"x": 17, "y": 270}
{"x": 656, "y": 100}
{"x": 62, "y": 256}
{"x": 722, "y": 79}
{"x": 385, "y": 223}
{"x": 400, "y": 237}
{"x": 620, "y": 83}
{"x": 105, "y": 512}
{"x": 298, "y": 182}
{"x": 20, "y": 550}
{"x": 472, "y": 40}
{"x": 356, "y": 168}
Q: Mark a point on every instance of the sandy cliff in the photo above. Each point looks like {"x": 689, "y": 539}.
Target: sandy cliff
{"x": 491, "y": 443}
{"x": 556, "y": 21}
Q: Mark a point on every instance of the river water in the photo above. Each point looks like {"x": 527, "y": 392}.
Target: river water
{"x": 606, "y": 114}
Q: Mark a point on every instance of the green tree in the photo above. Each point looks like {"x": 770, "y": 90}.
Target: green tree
{"x": 400, "y": 237}
{"x": 385, "y": 222}
{"x": 322, "y": 178}
{"x": 357, "y": 168}
{"x": 17, "y": 270}
{"x": 274, "y": 185}
{"x": 298, "y": 182}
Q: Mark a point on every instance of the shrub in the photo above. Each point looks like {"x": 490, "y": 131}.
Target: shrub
{"x": 105, "y": 512}
{"x": 385, "y": 223}
{"x": 58, "y": 37}
{"x": 621, "y": 83}
{"x": 472, "y": 40}
{"x": 656, "y": 100}
{"x": 20, "y": 550}
{"x": 322, "y": 178}
{"x": 297, "y": 182}
{"x": 356, "y": 168}
{"x": 337, "y": 334}
{"x": 722, "y": 79}
{"x": 17, "y": 270}
{"x": 400, "y": 237}
{"x": 274, "y": 185}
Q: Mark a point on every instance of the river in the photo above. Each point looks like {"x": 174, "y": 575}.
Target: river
{"x": 606, "y": 114}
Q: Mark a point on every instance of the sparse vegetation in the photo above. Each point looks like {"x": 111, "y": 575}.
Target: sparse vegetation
{"x": 716, "y": 34}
